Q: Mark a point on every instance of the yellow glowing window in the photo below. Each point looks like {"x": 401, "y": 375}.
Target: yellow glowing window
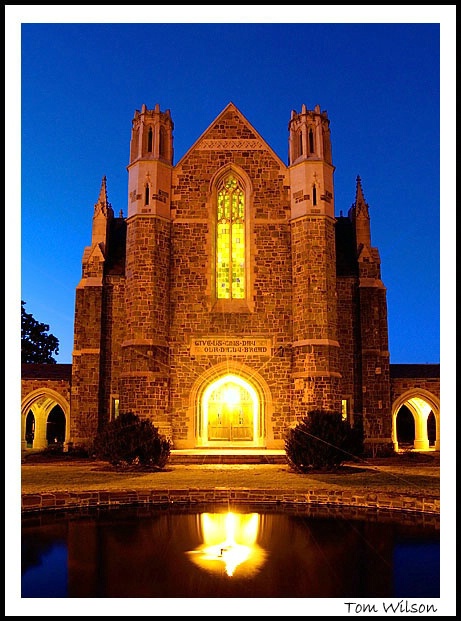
{"x": 230, "y": 242}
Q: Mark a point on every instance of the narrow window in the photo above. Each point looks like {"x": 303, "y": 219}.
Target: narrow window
{"x": 162, "y": 142}
{"x": 230, "y": 240}
{"x": 146, "y": 202}
{"x": 114, "y": 408}
{"x": 149, "y": 140}
{"x": 344, "y": 412}
{"x": 300, "y": 143}
{"x": 314, "y": 195}
{"x": 311, "y": 141}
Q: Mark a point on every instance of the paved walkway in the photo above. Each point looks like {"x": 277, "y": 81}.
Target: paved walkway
{"x": 404, "y": 482}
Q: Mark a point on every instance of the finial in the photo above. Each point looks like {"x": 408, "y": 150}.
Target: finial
{"x": 120, "y": 215}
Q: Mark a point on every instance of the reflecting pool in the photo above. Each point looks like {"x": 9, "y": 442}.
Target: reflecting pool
{"x": 229, "y": 552}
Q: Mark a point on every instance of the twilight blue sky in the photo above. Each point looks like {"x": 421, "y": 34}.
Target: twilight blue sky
{"x": 385, "y": 74}
{"x": 80, "y": 84}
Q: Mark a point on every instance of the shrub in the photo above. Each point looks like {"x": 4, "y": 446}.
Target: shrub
{"x": 131, "y": 440}
{"x": 54, "y": 448}
{"x": 322, "y": 440}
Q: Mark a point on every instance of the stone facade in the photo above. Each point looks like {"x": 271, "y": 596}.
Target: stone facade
{"x": 306, "y": 329}
{"x": 231, "y": 300}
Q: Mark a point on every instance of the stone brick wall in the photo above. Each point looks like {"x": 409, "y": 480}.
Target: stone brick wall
{"x": 315, "y": 345}
{"x": 375, "y": 365}
{"x": 29, "y": 385}
{"x": 86, "y": 364}
{"x": 400, "y": 386}
{"x": 113, "y": 335}
{"x": 348, "y": 338}
{"x": 143, "y": 381}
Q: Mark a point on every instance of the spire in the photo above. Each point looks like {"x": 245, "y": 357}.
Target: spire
{"x": 103, "y": 191}
{"x": 360, "y": 204}
{"x": 362, "y": 217}
{"x": 103, "y": 204}
{"x": 102, "y": 213}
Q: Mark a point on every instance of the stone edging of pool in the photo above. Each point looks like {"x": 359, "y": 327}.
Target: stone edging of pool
{"x": 389, "y": 501}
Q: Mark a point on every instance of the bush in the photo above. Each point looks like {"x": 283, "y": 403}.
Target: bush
{"x": 130, "y": 440}
{"x": 322, "y": 440}
{"x": 54, "y": 448}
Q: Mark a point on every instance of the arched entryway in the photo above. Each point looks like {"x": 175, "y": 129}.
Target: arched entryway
{"x": 416, "y": 421}
{"x": 30, "y": 429}
{"x": 231, "y": 408}
{"x": 44, "y": 419}
{"x": 56, "y": 426}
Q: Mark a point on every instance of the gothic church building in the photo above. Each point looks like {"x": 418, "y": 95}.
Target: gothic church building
{"x": 231, "y": 300}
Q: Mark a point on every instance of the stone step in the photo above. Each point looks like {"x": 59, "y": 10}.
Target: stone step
{"x": 228, "y": 456}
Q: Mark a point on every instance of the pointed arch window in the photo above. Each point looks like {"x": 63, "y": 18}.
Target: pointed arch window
{"x": 230, "y": 240}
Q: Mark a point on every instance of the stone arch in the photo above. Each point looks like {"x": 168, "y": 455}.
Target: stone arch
{"x": 41, "y": 402}
{"x": 421, "y": 403}
{"x": 259, "y": 400}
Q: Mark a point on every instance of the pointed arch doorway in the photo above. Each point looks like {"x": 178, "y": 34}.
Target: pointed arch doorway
{"x": 230, "y": 414}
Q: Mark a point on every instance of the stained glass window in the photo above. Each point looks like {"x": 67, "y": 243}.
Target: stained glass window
{"x": 230, "y": 242}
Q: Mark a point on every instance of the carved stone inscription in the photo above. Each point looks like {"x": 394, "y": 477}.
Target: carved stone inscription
{"x": 221, "y": 346}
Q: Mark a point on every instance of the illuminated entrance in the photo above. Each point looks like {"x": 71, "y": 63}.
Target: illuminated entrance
{"x": 229, "y": 414}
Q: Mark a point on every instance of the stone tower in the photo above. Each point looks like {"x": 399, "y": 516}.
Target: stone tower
{"x": 374, "y": 349}
{"x": 88, "y": 327}
{"x": 315, "y": 343}
{"x": 145, "y": 374}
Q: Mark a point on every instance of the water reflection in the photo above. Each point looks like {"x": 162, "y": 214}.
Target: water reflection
{"x": 147, "y": 552}
{"x": 230, "y": 540}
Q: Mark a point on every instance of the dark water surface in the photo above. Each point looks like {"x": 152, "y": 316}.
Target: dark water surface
{"x": 216, "y": 551}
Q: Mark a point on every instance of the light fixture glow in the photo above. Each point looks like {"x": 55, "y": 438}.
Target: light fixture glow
{"x": 232, "y": 395}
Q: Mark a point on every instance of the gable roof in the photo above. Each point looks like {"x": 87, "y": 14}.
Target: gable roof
{"x": 414, "y": 370}
{"x": 44, "y": 371}
{"x": 255, "y": 135}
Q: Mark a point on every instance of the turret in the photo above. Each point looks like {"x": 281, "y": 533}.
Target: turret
{"x": 311, "y": 168}
{"x": 151, "y": 160}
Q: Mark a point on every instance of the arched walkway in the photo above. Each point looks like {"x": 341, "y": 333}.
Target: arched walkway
{"x": 45, "y": 419}
{"x": 231, "y": 407}
{"x": 416, "y": 420}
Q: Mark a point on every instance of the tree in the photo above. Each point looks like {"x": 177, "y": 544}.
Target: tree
{"x": 37, "y": 346}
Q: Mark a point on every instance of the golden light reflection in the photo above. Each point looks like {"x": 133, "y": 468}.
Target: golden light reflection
{"x": 230, "y": 543}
